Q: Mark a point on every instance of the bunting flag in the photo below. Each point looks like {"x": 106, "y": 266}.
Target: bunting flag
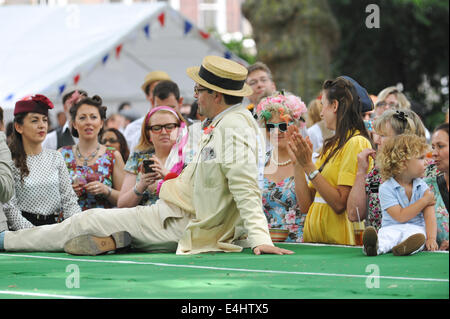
{"x": 118, "y": 50}
{"x": 205, "y": 35}
{"x": 147, "y": 31}
{"x": 61, "y": 88}
{"x": 76, "y": 79}
{"x": 161, "y": 18}
{"x": 187, "y": 27}
{"x": 105, "y": 58}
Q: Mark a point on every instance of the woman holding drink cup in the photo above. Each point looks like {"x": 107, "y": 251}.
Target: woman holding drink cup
{"x": 158, "y": 153}
{"x": 331, "y": 177}
{"x": 43, "y": 193}
{"x": 96, "y": 170}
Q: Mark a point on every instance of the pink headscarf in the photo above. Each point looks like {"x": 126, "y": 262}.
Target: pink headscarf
{"x": 165, "y": 108}
{"x": 178, "y": 167}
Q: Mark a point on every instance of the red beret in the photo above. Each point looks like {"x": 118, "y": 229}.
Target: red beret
{"x": 35, "y": 104}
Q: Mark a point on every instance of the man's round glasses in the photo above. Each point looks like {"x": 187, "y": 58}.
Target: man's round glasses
{"x": 158, "y": 128}
{"x": 255, "y": 81}
{"x": 198, "y": 90}
{"x": 282, "y": 127}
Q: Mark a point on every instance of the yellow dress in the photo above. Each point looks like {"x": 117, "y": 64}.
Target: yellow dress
{"x": 322, "y": 224}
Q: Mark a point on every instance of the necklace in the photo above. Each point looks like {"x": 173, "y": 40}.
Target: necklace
{"x": 282, "y": 163}
{"x": 87, "y": 159}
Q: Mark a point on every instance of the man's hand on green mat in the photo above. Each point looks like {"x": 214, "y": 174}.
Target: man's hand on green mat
{"x": 266, "y": 249}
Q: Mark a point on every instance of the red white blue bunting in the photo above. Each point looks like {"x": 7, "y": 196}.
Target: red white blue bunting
{"x": 188, "y": 28}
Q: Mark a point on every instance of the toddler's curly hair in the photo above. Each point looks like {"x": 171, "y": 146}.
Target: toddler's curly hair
{"x": 396, "y": 151}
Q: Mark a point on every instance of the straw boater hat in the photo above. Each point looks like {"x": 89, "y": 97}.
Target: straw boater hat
{"x": 221, "y": 75}
{"x": 152, "y": 77}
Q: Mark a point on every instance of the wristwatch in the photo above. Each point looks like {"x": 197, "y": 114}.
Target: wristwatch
{"x": 137, "y": 192}
{"x": 313, "y": 174}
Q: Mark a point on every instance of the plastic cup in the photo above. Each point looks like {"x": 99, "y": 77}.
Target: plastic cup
{"x": 358, "y": 229}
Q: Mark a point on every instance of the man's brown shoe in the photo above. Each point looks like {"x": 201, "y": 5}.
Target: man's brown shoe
{"x": 92, "y": 245}
{"x": 409, "y": 245}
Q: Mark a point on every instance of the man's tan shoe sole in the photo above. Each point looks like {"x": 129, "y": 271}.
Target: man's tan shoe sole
{"x": 409, "y": 245}
{"x": 92, "y": 245}
{"x": 370, "y": 241}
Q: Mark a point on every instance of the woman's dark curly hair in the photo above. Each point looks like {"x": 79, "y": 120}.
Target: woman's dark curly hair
{"x": 94, "y": 101}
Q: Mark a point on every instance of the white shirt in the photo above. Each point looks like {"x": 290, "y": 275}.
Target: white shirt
{"x": 46, "y": 190}
{"x": 133, "y": 133}
{"x": 315, "y": 135}
{"x": 51, "y": 140}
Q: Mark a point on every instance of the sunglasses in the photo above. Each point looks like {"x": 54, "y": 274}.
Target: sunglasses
{"x": 158, "y": 128}
{"x": 282, "y": 127}
{"x": 109, "y": 140}
{"x": 384, "y": 104}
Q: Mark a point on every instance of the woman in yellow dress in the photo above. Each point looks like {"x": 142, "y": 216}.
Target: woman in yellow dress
{"x": 332, "y": 176}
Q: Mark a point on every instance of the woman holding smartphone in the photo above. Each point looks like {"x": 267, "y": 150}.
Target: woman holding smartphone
{"x": 150, "y": 162}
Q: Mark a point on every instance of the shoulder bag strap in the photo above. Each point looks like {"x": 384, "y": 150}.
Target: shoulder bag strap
{"x": 443, "y": 190}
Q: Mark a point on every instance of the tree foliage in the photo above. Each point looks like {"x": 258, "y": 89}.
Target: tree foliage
{"x": 410, "y": 47}
{"x": 295, "y": 39}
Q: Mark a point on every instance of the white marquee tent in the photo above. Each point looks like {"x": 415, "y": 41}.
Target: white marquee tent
{"x": 104, "y": 49}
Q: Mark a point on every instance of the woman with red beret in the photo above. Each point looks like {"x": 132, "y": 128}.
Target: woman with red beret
{"x": 43, "y": 190}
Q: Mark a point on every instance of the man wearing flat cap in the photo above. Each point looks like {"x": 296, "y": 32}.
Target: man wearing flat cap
{"x": 213, "y": 205}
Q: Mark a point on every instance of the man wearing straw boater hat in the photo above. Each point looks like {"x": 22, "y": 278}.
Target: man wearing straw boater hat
{"x": 213, "y": 205}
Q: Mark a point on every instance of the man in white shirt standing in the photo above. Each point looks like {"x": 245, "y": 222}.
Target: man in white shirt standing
{"x": 62, "y": 136}
{"x": 151, "y": 80}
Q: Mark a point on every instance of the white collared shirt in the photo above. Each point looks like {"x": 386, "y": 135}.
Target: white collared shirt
{"x": 51, "y": 140}
{"x": 228, "y": 109}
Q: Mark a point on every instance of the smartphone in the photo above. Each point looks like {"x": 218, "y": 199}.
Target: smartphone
{"x": 147, "y": 167}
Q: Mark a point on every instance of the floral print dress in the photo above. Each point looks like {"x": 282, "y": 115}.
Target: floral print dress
{"x": 281, "y": 209}
{"x": 133, "y": 166}
{"x": 440, "y": 211}
{"x": 101, "y": 170}
{"x": 373, "y": 182}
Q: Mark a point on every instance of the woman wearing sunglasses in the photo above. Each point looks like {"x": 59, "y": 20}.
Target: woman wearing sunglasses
{"x": 112, "y": 137}
{"x": 149, "y": 164}
{"x": 276, "y": 113}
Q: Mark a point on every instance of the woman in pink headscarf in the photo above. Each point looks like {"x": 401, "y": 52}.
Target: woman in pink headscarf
{"x": 158, "y": 156}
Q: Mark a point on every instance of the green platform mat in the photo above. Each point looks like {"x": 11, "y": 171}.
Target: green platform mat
{"x": 313, "y": 272}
